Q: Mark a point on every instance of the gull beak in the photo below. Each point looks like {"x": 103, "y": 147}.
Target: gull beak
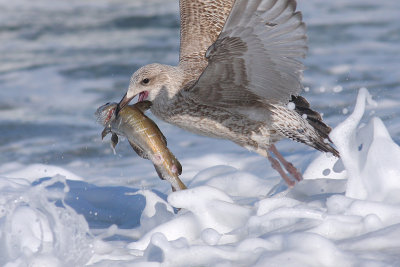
{"x": 124, "y": 101}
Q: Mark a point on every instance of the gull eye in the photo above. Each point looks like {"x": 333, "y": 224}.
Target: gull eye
{"x": 145, "y": 81}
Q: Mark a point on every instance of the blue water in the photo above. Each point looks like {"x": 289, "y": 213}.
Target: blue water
{"x": 61, "y": 60}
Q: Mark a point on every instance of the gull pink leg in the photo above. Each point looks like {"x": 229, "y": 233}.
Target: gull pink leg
{"x": 288, "y": 166}
{"x": 275, "y": 164}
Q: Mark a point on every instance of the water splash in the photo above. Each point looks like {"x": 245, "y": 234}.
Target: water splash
{"x": 36, "y": 226}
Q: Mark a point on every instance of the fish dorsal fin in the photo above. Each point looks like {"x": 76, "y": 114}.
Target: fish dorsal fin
{"x": 138, "y": 150}
{"x": 143, "y": 105}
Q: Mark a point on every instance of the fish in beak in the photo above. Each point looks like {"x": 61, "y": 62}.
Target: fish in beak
{"x": 143, "y": 135}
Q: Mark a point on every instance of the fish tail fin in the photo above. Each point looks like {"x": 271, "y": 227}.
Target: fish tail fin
{"x": 171, "y": 175}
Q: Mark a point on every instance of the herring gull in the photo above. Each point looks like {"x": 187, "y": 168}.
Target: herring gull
{"x": 238, "y": 78}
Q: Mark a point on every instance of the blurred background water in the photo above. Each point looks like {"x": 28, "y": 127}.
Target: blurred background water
{"x": 60, "y": 60}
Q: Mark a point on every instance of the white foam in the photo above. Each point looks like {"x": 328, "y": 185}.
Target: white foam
{"x": 35, "y": 171}
{"x": 368, "y": 154}
{"x": 34, "y": 230}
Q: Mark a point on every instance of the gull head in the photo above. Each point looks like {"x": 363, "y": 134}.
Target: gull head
{"x": 147, "y": 82}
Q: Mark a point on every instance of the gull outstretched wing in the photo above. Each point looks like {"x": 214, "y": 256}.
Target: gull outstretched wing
{"x": 201, "y": 23}
{"x": 255, "y": 58}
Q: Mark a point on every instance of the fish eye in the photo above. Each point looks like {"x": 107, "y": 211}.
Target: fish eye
{"x": 145, "y": 81}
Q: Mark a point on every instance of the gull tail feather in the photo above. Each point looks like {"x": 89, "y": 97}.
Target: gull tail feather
{"x": 321, "y": 141}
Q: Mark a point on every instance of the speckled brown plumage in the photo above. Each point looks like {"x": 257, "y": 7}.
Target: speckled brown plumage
{"x": 201, "y": 23}
{"x": 239, "y": 68}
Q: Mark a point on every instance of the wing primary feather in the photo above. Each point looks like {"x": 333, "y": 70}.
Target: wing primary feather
{"x": 256, "y": 56}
